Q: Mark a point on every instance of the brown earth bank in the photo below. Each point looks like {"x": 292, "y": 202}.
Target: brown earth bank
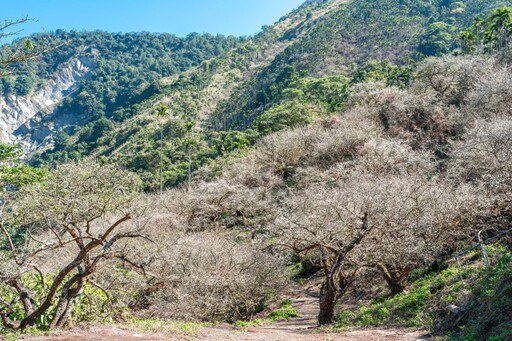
{"x": 302, "y": 328}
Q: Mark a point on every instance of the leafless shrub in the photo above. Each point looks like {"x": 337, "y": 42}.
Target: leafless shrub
{"x": 342, "y": 140}
{"x": 285, "y": 151}
{"x": 426, "y": 220}
{"x": 485, "y": 157}
{"x": 428, "y": 113}
{"x": 492, "y": 95}
{"x": 449, "y": 78}
{"x": 220, "y": 205}
{"x": 419, "y": 119}
{"x": 379, "y": 157}
{"x": 394, "y": 157}
{"x": 251, "y": 174}
{"x": 212, "y": 278}
{"x": 333, "y": 222}
{"x": 365, "y": 94}
{"x": 315, "y": 146}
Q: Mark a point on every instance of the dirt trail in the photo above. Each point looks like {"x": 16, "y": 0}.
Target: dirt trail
{"x": 302, "y": 328}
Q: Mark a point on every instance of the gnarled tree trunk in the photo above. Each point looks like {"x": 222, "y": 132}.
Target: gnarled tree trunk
{"x": 327, "y": 304}
{"x": 395, "y": 277}
{"x": 71, "y": 291}
{"x": 337, "y": 281}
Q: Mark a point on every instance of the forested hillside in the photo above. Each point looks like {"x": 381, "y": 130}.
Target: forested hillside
{"x": 122, "y": 60}
{"x": 124, "y": 70}
{"x": 310, "y": 56}
{"x": 350, "y": 151}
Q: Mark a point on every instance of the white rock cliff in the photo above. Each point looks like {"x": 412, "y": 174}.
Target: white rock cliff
{"x": 16, "y": 111}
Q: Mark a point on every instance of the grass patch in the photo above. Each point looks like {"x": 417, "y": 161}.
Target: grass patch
{"x": 253, "y": 323}
{"x": 417, "y": 307}
{"x": 486, "y": 296}
{"x": 490, "y": 314}
{"x": 10, "y": 335}
{"x": 285, "y": 312}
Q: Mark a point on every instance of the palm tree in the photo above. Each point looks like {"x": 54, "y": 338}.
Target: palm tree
{"x": 478, "y": 23}
{"x": 161, "y": 112}
{"x": 467, "y": 39}
{"x": 499, "y": 25}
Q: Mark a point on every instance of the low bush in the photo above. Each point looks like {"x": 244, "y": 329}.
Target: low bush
{"x": 207, "y": 277}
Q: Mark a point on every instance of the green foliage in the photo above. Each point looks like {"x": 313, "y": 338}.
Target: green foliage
{"x": 92, "y": 305}
{"x": 297, "y": 100}
{"x": 437, "y": 39}
{"x": 417, "y": 307}
{"x": 125, "y": 70}
{"x": 407, "y": 307}
{"x": 13, "y": 174}
{"x": 490, "y": 315}
{"x": 490, "y": 34}
{"x": 266, "y": 88}
{"x": 498, "y": 28}
{"x": 286, "y": 311}
{"x": 9, "y": 153}
{"x": 330, "y": 92}
{"x": 161, "y": 111}
{"x": 92, "y": 132}
{"x": 226, "y": 142}
{"x": 356, "y": 32}
{"x": 248, "y": 324}
{"x": 384, "y": 71}
{"x": 287, "y": 115}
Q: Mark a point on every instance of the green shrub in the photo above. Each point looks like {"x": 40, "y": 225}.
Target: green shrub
{"x": 247, "y": 324}
{"x": 285, "y": 312}
{"x": 92, "y": 305}
{"x": 287, "y": 115}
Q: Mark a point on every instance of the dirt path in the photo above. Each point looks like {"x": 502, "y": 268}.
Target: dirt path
{"x": 103, "y": 333}
{"x": 302, "y": 328}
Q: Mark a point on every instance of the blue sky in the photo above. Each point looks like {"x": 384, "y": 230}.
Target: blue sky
{"x": 180, "y": 17}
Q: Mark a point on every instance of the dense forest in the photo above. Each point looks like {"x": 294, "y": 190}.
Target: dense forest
{"x": 355, "y": 147}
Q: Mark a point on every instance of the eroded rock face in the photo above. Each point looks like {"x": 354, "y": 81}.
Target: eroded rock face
{"x": 18, "y": 112}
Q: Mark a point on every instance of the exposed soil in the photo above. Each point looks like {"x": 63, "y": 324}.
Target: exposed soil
{"x": 103, "y": 333}
{"x": 302, "y": 328}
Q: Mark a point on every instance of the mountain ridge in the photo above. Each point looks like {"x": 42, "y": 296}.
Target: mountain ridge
{"x": 219, "y": 90}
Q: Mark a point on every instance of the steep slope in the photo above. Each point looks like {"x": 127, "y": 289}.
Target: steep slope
{"x": 100, "y": 75}
{"x": 191, "y": 98}
{"x": 363, "y": 180}
{"x": 348, "y": 36}
{"x": 307, "y": 59}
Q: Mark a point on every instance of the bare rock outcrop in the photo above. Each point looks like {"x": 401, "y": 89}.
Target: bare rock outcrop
{"x": 19, "y": 111}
